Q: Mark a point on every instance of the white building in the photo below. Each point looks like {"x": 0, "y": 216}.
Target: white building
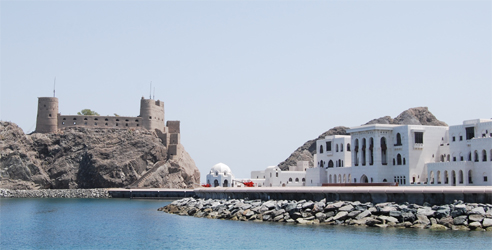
{"x": 220, "y": 176}
{"x": 466, "y": 159}
{"x": 407, "y": 155}
{"x": 273, "y": 176}
{"x": 379, "y": 153}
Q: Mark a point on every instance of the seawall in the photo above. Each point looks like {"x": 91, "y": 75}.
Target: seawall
{"x": 55, "y": 193}
{"x": 415, "y": 195}
{"x": 151, "y": 193}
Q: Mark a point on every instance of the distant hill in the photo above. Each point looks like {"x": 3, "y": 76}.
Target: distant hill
{"x": 413, "y": 116}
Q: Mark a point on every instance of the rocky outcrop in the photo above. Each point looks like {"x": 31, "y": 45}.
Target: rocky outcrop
{"x": 413, "y": 116}
{"x": 456, "y": 216}
{"x": 90, "y": 158}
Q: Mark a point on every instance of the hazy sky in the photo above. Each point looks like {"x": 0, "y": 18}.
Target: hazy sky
{"x": 250, "y": 81}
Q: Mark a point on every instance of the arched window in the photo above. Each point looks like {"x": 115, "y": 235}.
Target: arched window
{"x": 304, "y": 180}
{"x": 349, "y": 178}
{"x": 337, "y": 147}
{"x": 460, "y": 175}
{"x": 330, "y": 164}
{"x": 339, "y": 163}
{"x": 438, "y": 177}
{"x": 384, "y": 158}
{"x": 446, "y": 177}
{"x": 321, "y": 149}
{"x": 297, "y": 179}
{"x": 371, "y": 151}
{"x": 363, "y": 179}
{"x": 216, "y": 183}
{"x": 339, "y": 178}
{"x": 449, "y": 158}
{"x": 484, "y": 155}
{"x": 276, "y": 174}
{"x": 344, "y": 178}
{"x": 226, "y": 183}
{"x": 432, "y": 177}
{"x": 290, "y": 179}
{"x": 348, "y": 146}
{"x": 356, "y": 155}
{"x": 470, "y": 177}
{"x": 404, "y": 161}
{"x": 442, "y": 158}
{"x": 398, "y": 139}
{"x": 398, "y": 159}
{"x": 476, "y": 156}
{"x": 394, "y": 161}
{"x": 469, "y": 156}
{"x": 341, "y": 147}
{"x": 363, "y": 151}
{"x": 453, "y": 178}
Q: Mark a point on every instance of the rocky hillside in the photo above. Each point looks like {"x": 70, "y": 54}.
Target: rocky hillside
{"x": 90, "y": 158}
{"x": 413, "y": 116}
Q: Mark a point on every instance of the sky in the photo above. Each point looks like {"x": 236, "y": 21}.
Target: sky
{"x": 250, "y": 81}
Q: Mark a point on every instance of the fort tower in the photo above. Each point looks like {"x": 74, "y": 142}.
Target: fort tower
{"x": 47, "y": 119}
{"x": 152, "y": 113}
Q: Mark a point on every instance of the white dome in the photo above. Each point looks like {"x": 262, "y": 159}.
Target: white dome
{"x": 220, "y": 168}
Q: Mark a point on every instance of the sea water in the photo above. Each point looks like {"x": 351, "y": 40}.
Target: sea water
{"x": 136, "y": 224}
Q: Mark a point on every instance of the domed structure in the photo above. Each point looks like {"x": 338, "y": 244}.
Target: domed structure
{"x": 220, "y": 175}
{"x": 220, "y": 168}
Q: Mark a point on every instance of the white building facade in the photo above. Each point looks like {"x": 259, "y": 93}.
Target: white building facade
{"x": 466, "y": 159}
{"x": 220, "y": 176}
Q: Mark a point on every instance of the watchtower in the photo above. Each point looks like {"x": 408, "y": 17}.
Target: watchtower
{"x": 152, "y": 113}
{"x": 47, "y": 119}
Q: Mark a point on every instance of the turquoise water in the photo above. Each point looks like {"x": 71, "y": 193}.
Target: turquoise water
{"x": 136, "y": 224}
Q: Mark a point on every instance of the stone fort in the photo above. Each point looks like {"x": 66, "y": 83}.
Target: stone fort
{"x": 151, "y": 118}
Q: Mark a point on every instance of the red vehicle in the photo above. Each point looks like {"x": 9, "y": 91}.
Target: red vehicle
{"x": 206, "y": 185}
{"x": 249, "y": 184}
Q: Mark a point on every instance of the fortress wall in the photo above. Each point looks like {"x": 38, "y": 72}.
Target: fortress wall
{"x": 173, "y": 126}
{"x": 92, "y": 121}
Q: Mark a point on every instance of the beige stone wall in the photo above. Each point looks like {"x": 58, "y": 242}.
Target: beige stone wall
{"x": 92, "y": 121}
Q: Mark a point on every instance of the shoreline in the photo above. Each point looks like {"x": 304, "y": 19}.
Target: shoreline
{"x": 55, "y": 193}
{"x": 455, "y": 216}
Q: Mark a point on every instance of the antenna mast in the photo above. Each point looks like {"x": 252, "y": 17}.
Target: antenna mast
{"x": 150, "y": 96}
{"x": 154, "y": 94}
{"x": 54, "y": 87}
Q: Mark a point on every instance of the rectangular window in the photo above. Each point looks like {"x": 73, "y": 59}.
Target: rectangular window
{"x": 461, "y": 137}
{"x": 454, "y": 158}
{"x": 419, "y": 137}
{"x": 485, "y": 179}
{"x": 470, "y": 133}
{"x": 454, "y": 138}
{"x": 328, "y": 146}
{"x": 461, "y": 158}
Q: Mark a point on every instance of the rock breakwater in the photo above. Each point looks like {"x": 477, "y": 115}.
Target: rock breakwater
{"x": 456, "y": 216}
{"x": 55, "y": 193}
